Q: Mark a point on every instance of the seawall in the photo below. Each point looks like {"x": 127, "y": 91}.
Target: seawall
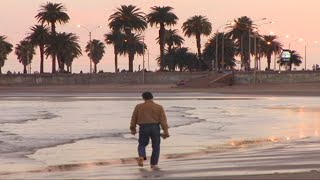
{"x": 265, "y": 77}
{"x": 155, "y": 78}
{"x": 102, "y": 78}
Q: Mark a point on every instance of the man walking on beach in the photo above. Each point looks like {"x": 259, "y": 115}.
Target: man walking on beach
{"x": 149, "y": 116}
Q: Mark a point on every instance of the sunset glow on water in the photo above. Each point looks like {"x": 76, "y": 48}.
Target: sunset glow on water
{"x": 68, "y": 134}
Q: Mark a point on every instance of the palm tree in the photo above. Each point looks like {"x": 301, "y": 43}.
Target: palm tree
{"x": 183, "y": 59}
{"x": 197, "y": 26}
{"x": 295, "y": 59}
{"x": 225, "y": 43}
{"x": 172, "y": 39}
{"x": 239, "y": 32}
{"x": 128, "y": 19}
{"x": 39, "y": 37}
{"x": 116, "y": 38}
{"x": 5, "y": 49}
{"x": 134, "y": 46}
{"x": 74, "y": 53}
{"x": 53, "y": 13}
{"x": 95, "y": 50}
{"x": 25, "y": 51}
{"x": 65, "y": 46}
{"x": 162, "y": 16}
{"x": 270, "y": 45}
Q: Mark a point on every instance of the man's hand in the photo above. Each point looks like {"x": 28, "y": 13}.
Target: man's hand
{"x": 165, "y": 135}
{"x": 133, "y": 131}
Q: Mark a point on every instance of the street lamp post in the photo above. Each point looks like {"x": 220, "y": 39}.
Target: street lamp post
{"x": 305, "y": 54}
{"x": 29, "y": 64}
{"x": 222, "y": 52}
{"x": 143, "y": 60}
{"x": 217, "y": 49}
{"x": 255, "y": 36}
{"x": 90, "y": 52}
{"x": 148, "y": 60}
{"x": 305, "y": 57}
{"x": 255, "y": 47}
{"x": 249, "y": 39}
{"x": 299, "y": 39}
{"x": 255, "y": 43}
{"x": 90, "y": 41}
{"x": 212, "y": 63}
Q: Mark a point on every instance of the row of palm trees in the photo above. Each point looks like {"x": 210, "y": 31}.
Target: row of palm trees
{"x": 128, "y": 24}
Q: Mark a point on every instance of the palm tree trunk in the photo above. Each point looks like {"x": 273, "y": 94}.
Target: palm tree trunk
{"x": 290, "y": 66}
{"x": 95, "y": 67}
{"x": 242, "y": 55}
{"x": 269, "y": 61}
{"x": 61, "y": 67}
{"x": 247, "y": 56}
{"x": 41, "y": 58}
{"x": 131, "y": 54}
{"x": 115, "y": 59}
{"x": 131, "y": 58}
{"x": 71, "y": 68}
{"x": 162, "y": 31}
{"x": 199, "y": 50}
{"x": 171, "y": 65}
{"x": 53, "y": 32}
{"x": 0, "y": 70}
{"x": 24, "y": 69}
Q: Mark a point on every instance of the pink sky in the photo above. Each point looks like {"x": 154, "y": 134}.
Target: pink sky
{"x": 297, "y": 18}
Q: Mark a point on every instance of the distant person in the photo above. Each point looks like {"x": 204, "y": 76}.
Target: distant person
{"x": 139, "y": 67}
{"x": 149, "y": 116}
{"x": 181, "y": 83}
{"x": 81, "y": 72}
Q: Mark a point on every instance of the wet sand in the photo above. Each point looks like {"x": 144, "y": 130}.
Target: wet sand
{"x": 187, "y": 166}
{"x": 201, "y": 166}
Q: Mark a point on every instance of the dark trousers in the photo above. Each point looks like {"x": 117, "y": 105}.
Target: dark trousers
{"x": 147, "y": 131}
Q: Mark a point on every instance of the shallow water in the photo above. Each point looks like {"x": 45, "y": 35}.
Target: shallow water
{"x": 64, "y": 134}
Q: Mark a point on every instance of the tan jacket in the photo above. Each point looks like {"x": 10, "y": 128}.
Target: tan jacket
{"x": 147, "y": 113}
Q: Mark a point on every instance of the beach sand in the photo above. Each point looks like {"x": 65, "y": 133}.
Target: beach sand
{"x": 290, "y": 89}
{"x": 299, "y": 89}
{"x": 189, "y": 166}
